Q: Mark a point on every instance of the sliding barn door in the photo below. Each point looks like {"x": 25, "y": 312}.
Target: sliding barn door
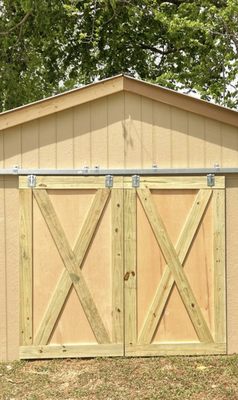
{"x": 174, "y": 266}
{"x": 71, "y": 241}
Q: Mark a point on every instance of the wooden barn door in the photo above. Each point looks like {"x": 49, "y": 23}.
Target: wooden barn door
{"x": 71, "y": 241}
{"x": 174, "y": 266}
{"x": 134, "y": 271}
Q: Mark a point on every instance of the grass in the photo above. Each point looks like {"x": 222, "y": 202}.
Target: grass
{"x": 173, "y": 378}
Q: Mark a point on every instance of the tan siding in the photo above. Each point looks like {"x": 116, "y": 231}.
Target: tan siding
{"x": 116, "y": 131}
{"x": 146, "y": 132}
{"x": 3, "y": 298}
{"x": 82, "y": 136}
{"x": 122, "y": 130}
{"x": 99, "y": 140}
{"x": 229, "y": 146}
{"x": 12, "y": 147}
{"x": 179, "y": 121}
{"x": 212, "y": 143}
{"x": 30, "y": 148}
{"x": 1, "y": 151}
{"x": 47, "y": 142}
{"x": 65, "y": 135}
{"x": 196, "y": 143}
{"x": 161, "y": 135}
{"x": 232, "y": 262}
{"x": 132, "y": 131}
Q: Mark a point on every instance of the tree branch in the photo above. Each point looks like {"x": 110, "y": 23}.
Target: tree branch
{"x": 17, "y": 25}
{"x": 155, "y": 50}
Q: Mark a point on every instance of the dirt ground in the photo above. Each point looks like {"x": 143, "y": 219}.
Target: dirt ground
{"x": 195, "y": 378}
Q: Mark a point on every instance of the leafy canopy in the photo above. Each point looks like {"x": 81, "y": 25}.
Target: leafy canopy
{"x": 49, "y": 46}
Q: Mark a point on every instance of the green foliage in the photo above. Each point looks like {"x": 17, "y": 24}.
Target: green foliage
{"x": 50, "y": 46}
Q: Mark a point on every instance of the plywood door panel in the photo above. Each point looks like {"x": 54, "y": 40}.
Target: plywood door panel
{"x": 179, "y": 279}
{"x": 77, "y": 271}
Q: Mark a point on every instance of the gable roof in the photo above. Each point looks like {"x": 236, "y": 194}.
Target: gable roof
{"x": 110, "y": 86}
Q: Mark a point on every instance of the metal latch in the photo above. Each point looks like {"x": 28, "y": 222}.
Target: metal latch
{"x": 31, "y": 181}
{"x": 109, "y": 181}
{"x": 210, "y": 180}
{"x": 135, "y": 181}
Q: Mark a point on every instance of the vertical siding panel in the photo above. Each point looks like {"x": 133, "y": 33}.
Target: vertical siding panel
{"x": 65, "y": 134}
{"x": 147, "y": 132}
{"x": 12, "y": 265}
{"x": 232, "y": 262}
{"x": 82, "y": 139}
{"x": 116, "y": 131}
{"x": 196, "y": 144}
{"x": 47, "y": 142}
{"x": 1, "y": 150}
{"x": 3, "y": 299}
{"x": 12, "y": 147}
{"x": 161, "y": 135}
{"x": 213, "y": 143}
{"x": 229, "y": 146}
{"x": 179, "y": 121}
{"x": 132, "y": 131}
{"x": 99, "y": 139}
{"x": 30, "y": 151}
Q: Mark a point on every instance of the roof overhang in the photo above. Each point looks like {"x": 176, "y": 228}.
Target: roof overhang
{"x": 111, "y": 86}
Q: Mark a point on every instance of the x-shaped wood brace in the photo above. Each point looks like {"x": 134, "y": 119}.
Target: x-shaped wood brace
{"x": 173, "y": 272}
{"x": 72, "y": 259}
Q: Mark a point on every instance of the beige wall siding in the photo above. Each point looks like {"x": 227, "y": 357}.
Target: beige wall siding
{"x": 123, "y": 130}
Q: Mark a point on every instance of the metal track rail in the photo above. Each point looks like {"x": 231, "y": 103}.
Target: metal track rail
{"x": 120, "y": 172}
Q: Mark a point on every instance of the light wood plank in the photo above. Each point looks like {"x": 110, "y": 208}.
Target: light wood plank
{"x": 70, "y": 351}
{"x": 175, "y": 266}
{"x": 219, "y": 265}
{"x": 117, "y": 265}
{"x": 176, "y": 182}
{"x": 130, "y": 272}
{"x": 167, "y": 281}
{"x": 12, "y": 263}
{"x": 170, "y": 349}
{"x": 70, "y": 182}
{"x": 26, "y": 311}
{"x": 70, "y": 263}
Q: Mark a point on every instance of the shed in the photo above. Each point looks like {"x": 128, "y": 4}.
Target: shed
{"x": 118, "y": 224}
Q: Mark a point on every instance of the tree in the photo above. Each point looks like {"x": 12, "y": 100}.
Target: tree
{"x": 50, "y": 46}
